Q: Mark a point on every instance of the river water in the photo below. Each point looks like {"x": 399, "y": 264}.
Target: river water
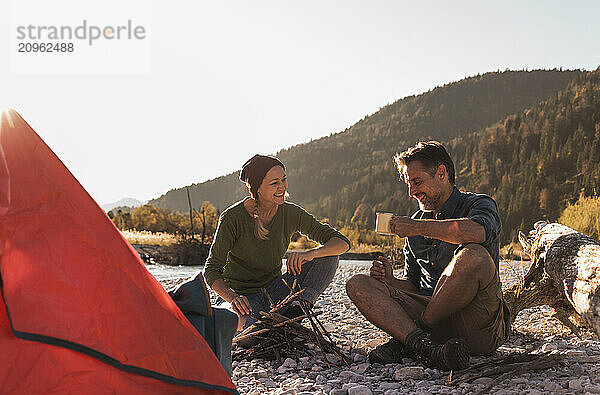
{"x": 162, "y": 272}
{"x": 509, "y": 270}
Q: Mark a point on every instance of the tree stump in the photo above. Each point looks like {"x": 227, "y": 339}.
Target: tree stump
{"x": 565, "y": 274}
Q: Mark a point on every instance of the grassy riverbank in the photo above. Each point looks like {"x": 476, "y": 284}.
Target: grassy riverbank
{"x": 359, "y": 251}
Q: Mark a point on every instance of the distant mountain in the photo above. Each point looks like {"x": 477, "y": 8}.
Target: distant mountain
{"x": 125, "y": 202}
{"x": 334, "y": 175}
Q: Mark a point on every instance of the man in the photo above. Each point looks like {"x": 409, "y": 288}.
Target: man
{"x": 450, "y": 304}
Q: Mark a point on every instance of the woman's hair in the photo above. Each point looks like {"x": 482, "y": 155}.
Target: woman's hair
{"x": 252, "y": 174}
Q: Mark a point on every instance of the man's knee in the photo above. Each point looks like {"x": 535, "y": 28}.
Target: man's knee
{"x": 475, "y": 254}
{"x": 473, "y": 258}
{"x": 361, "y": 285}
{"x": 355, "y": 285}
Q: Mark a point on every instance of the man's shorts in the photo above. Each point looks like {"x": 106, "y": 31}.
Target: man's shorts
{"x": 481, "y": 324}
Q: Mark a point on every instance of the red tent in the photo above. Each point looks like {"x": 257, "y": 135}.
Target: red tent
{"x": 81, "y": 312}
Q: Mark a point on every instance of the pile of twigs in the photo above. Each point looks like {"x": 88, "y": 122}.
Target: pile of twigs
{"x": 276, "y": 336}
{"x": 504, "y": 367}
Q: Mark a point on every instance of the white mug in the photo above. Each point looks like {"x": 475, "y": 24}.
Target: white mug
{"x": 382, "y": 224}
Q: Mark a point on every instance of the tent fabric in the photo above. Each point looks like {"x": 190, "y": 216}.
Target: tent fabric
{"x": 80, "y": 313}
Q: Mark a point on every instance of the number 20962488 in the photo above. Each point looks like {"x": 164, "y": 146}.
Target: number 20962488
{"x": 46, "y": 47}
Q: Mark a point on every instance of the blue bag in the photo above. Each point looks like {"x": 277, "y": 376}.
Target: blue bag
{"x": 216, "y": 325}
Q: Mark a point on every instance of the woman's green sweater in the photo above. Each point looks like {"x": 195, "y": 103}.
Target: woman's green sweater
{"x": 248, "y": 264}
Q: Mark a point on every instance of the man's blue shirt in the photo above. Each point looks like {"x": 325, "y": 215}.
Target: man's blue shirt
{"x": 426, "y": 259}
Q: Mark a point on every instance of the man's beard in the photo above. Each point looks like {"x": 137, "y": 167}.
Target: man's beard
{"x": 430, "y": 203}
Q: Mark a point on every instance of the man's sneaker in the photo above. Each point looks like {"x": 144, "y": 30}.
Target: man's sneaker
{"x": 391, "y": 352}
{"x": 452, "y": 355}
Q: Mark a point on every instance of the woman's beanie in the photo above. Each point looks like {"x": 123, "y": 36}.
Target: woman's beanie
{"x": 254, "y": 170}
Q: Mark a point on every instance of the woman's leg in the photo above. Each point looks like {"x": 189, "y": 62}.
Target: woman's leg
{"x": 314, "y": 277}
{"x": 258, "y": 302}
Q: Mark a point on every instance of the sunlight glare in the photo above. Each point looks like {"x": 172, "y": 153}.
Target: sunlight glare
{"x": 6, "y": 113}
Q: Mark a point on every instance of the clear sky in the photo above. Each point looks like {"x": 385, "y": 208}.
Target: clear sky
{"x": 229, "y": 79}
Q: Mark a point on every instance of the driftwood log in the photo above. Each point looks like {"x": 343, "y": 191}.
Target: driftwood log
{"x": 564, "y": 274}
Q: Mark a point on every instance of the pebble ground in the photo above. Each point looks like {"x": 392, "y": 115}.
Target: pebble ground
{"x": 316, "y": 373}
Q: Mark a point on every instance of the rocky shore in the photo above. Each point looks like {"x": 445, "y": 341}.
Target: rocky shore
{"x": 316, "y": 373}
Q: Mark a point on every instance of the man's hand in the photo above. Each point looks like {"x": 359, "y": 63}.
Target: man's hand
{"x": 296, "y": 259}
{"x": 381, "y": 270}
{"x": 403, "y": 226}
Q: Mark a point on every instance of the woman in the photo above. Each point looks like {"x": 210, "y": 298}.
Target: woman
{"x": 254, "y": 234}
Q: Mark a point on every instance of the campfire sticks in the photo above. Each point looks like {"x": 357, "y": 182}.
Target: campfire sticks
{"x": 275, "y": 335}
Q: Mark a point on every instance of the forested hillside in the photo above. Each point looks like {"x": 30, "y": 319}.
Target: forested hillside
{"x": 349, "y": 175}
{"x": 536, "y": 161}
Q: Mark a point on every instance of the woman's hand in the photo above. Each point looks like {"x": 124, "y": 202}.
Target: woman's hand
{"x": 296, "y": 259}
{"x": 241, "y": 305}
{"x": 381, "y": 270}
